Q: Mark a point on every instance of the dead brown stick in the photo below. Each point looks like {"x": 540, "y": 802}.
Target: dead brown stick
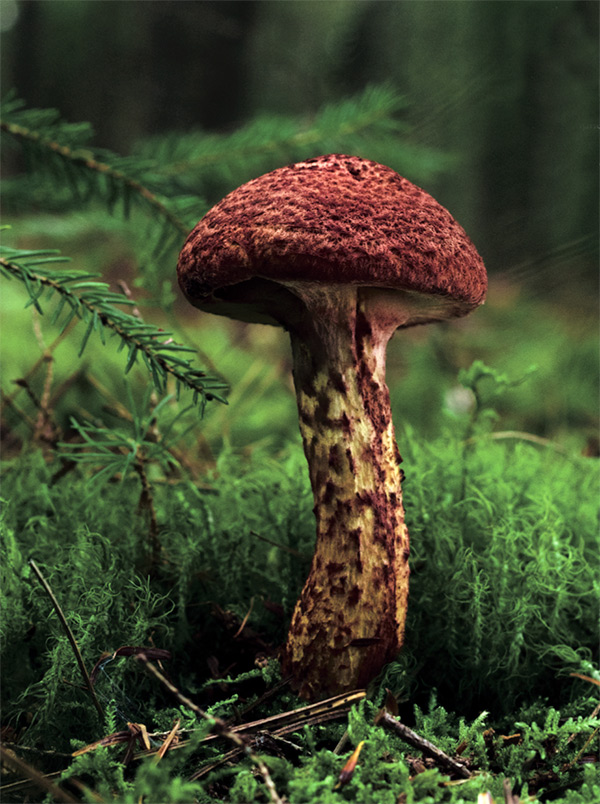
{"x": 219, "y": 727}
{"x": 8, "y": 402}
{"x": 70, "y": 637}
{"x": 274, "y": 725}
{"x": 295, "y": 719}
{"x": 168, "y": 742}
{"x": 519, "y": 435}
{"x": 289, "y": 722}
{"x": 147, "y": 503}
{"x": 283, "y": 547}
{"x": 315, "y": 720}
{"x": 7, "y": 790}
{"x": 36, "y": 778}
{"x": 421, "y": 744}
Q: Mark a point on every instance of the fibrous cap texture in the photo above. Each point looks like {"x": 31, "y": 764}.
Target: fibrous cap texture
{"x": 333, "y": 220}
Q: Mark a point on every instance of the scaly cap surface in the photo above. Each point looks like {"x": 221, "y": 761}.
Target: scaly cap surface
{"x": 333, "y": 220}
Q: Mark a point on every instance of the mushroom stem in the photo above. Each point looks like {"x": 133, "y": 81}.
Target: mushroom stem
{"x": 349, "y": 619}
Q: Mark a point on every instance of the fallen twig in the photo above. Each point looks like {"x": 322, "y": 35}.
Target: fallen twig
{"x": 32, "y": 370}
{"x": 420, "y": 743}
{"x": 36, "y": 778}
{"x": 219, "y": 727}
{"x": 127, "y": 651}
{"x": 283, "y": 547}
{"x": 295, "y": 721}
{"x": 276, "y": 726}
{"x": 245, "y": 620}
{"x": 168, "y": 742}
{"x": 521, "y": 436}
{"x": 70, "y": 637}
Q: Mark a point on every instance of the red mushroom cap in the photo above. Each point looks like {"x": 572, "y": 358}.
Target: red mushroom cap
{"x": 331, "y": 220}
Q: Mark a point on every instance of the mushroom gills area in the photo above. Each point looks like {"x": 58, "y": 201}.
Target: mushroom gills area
{"x": 349, "y": 619}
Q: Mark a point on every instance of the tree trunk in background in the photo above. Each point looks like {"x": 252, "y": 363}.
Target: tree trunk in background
{"x": 132, "y": 69}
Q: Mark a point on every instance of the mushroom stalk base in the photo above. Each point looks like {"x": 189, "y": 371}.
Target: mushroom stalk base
{"x": 349, "y": 619}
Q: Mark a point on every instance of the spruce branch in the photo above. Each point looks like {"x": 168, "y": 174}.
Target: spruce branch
{"x": 60, "y": 148}
{"x": 371, "y": 114}
{"x": 118, "y": 452}
{"x": 366, "y": 122}
{"x": 83, "y": 297}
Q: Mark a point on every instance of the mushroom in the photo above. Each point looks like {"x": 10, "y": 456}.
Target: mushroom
{"x": 341, "y": 252}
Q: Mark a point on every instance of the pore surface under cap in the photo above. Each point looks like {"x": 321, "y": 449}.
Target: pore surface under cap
{"x": 333, "y": 219}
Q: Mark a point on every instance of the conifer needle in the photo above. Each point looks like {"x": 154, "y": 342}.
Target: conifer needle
{"x": 70, "y": 636}
{"x": 219, "y": 727}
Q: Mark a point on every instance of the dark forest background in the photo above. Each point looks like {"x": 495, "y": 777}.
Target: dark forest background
{"x": 508, "y": 91}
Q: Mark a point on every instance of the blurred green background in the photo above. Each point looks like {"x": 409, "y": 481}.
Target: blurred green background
{"x": 502, "y": 96}
{"x": 507, "y": 88}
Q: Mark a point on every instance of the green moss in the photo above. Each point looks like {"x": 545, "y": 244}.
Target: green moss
{"x": 502, "y": 609}
{"x": 503, "y": 589}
